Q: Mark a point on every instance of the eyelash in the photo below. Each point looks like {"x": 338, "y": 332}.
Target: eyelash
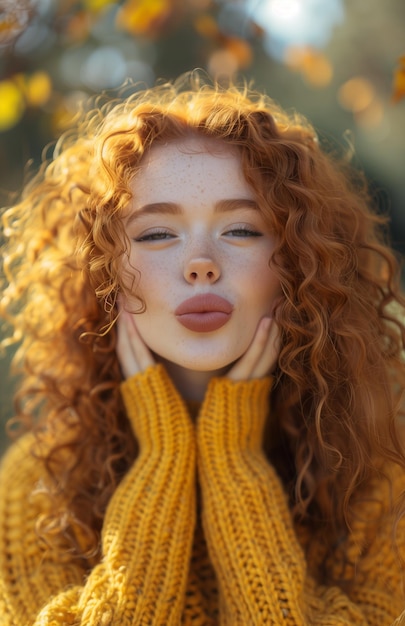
{"x": 244, "y": 232}
{"x": 158, "y": 235}
{"x": 161, "y": 235}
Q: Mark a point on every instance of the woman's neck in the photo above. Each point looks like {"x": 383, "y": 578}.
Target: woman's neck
{"x": 191, "y": 384}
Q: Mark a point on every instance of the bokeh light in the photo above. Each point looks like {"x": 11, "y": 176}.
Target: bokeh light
{"x": 295, "y": 22}
{"x": 104, "y": 68}
{"x": 38, "y": 89}
{"x": 340, "y": 62}
{"x": 11, "y": 104}
{"x": 313, "y": 64}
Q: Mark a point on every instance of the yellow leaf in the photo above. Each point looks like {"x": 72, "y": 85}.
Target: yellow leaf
{"x": 38, "y": 89}
{"x": 11, "y": 104}
{"x": 94, "y": 6}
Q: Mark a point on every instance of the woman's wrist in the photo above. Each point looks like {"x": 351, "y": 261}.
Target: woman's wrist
{"x": 155, "y": 409}
{"x": 233, "y": 414}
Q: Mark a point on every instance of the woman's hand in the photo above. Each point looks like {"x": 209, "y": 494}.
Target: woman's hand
{"x": 133, "y": 354}
{"x": 261, "y": 357}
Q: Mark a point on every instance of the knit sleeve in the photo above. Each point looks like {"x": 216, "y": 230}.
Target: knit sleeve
{"x": 146, "y": 536}
{"x": 261, "y": 568}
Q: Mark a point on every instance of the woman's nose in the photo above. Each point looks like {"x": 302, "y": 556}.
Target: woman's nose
{"x": 202, "y": 269}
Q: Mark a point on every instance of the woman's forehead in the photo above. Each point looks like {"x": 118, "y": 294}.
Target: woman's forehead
{"x": 191, "y": 144}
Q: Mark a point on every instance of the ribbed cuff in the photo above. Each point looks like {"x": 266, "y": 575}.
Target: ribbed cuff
{"x": 234, "y": 414}
{"x": 155, "y": 409}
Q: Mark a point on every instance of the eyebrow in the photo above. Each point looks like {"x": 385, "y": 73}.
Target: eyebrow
{"x": 172, "y": 208}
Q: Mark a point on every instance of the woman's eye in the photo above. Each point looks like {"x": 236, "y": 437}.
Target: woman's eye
{"x": 243, "y": 232}
{"x": 159, "y": 235}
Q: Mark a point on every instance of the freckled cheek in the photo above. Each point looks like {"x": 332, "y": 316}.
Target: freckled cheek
{"x": 155, "y": 280}
{"x": 260, "y": 285}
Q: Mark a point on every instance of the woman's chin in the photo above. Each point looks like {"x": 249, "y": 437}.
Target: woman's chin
{"x": 207, "y": 366}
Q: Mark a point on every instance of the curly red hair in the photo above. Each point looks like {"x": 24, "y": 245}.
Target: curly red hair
{"x": 341, "y": 372}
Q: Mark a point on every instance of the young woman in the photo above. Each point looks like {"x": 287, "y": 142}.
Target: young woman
{"x": 211, "y": 354}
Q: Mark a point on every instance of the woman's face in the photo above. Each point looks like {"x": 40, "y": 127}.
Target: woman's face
{"x": 201, "y": 248}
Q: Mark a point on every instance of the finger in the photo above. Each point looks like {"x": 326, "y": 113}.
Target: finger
{"x": 126, "y": 357}
{"x": 267, "y": 362}
{"x": 134, "y": 356}
{"x": 141, "y": 351}
{"x": 246, "y": 365}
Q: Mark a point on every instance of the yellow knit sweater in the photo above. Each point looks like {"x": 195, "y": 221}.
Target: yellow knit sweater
{"x": 244, "y": 564}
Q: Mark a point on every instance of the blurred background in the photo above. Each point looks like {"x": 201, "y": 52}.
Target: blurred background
{"x": 340, "y": 62}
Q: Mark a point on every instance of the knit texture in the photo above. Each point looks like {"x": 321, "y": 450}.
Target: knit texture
{"x": 198, "y": 533}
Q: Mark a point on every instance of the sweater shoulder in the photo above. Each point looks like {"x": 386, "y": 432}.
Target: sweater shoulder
{"x": 20, "y": 471}
{"x": 21, "y": 502}
{"x": 30, "y": 572}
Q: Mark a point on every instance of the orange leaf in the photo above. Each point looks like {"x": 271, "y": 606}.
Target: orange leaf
{"x": 399, "y": 81}
{"x": 78, "y": 27}
{"x": 241, "y": 50}
{"x": 10, "y": 29}
{"x": 206, "y": 26}
{"x": 143, "y": 17}
{"x": 313, "y": 65}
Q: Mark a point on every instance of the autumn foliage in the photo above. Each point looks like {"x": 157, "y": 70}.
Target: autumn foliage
{"x": 26, "y": 87}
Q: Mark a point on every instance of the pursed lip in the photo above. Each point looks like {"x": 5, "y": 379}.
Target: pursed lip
{"x": 204, "y": 313}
